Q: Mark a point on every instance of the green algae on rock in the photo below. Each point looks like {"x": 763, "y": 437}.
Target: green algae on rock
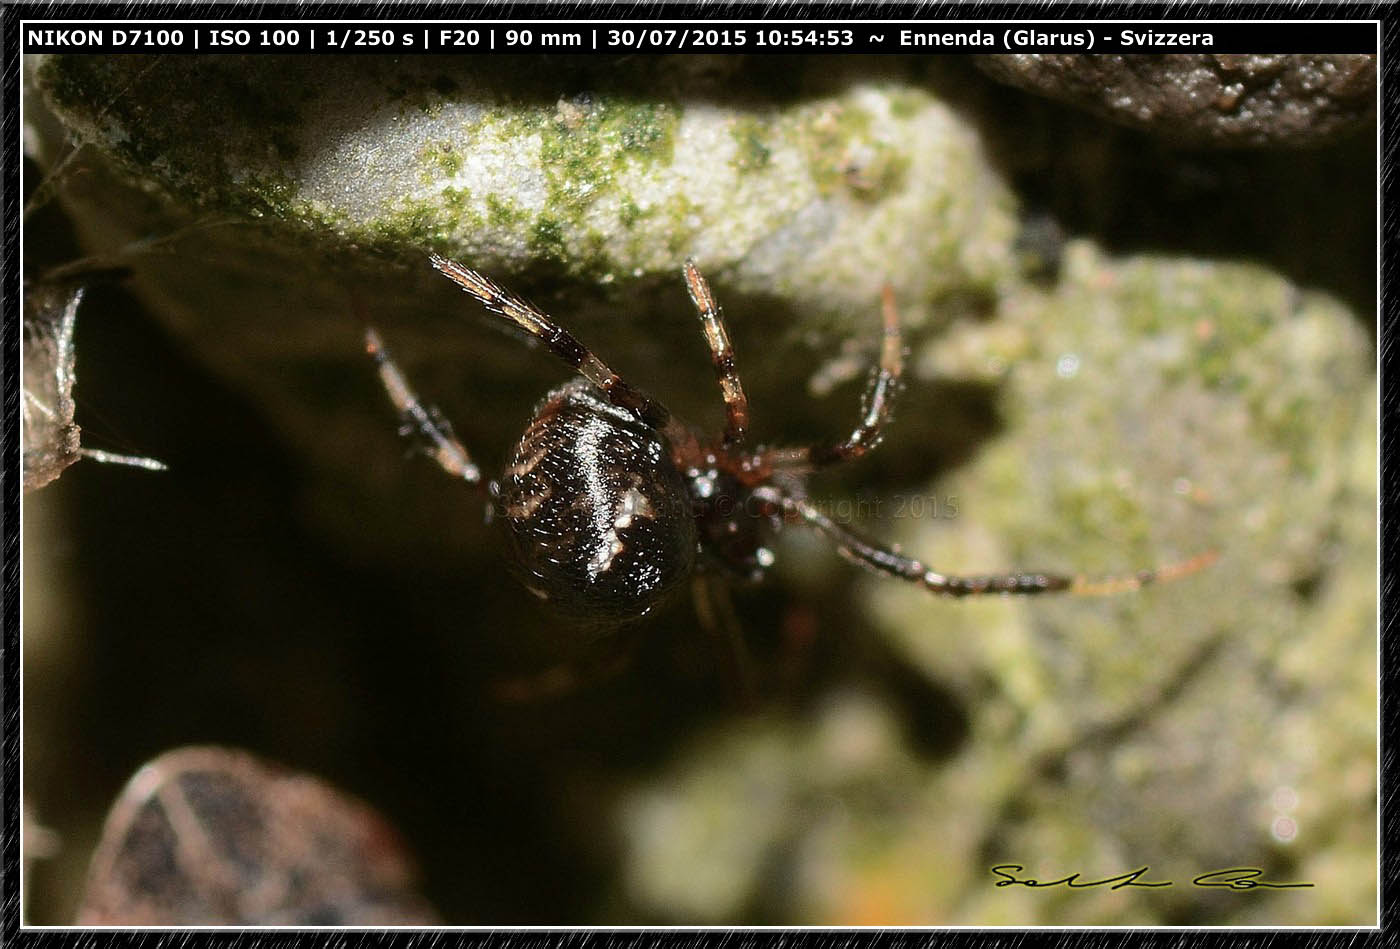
{"x": 1154, "y": 408}
{"x": 823, "y": 198}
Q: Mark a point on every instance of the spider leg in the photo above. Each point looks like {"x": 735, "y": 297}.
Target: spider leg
{"x": 875, "y": 407}
{"x": 567, "y": 678}
{"x": 561, "y": 343}
{"x": 425, "y": 421}
{"x": 715, "y": 610}
{"x": 884, "y": 560}
{"x": 736, "y": 403}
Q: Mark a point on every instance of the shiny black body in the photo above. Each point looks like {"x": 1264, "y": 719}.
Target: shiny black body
{"x": 598, "y": 520}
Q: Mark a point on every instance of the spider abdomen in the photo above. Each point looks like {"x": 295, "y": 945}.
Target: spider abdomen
{"x": 598, "y": 520}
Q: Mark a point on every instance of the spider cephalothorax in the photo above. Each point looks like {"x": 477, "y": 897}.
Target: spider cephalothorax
{"x": 610, "y": 502}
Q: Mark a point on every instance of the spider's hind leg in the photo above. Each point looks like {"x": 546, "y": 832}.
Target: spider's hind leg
{"x": 424, "y": 421}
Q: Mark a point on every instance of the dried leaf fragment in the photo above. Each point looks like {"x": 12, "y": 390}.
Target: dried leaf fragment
{"x": 211, "y": 836}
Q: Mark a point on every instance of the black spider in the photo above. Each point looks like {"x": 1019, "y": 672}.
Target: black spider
{"x": 610, "y": 502}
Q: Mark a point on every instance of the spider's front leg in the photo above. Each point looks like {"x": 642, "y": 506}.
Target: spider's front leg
{"x": 736, "y": 403}
{"x": 875, "y": 408}
{"x": 568, "y": 678}
{"x": 562, "y": 344}
{"x": 422, "y": 420}
{"x": 886, "y": 561}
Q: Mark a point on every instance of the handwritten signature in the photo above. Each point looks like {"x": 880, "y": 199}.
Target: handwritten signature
{"x": 1233, "y": 878}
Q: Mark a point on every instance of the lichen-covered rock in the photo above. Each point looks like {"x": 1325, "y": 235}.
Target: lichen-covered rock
{"x": 1155, "y": 409}
{"x": 1207, "y": 99}
{"x": 704, "y": 843}
{"x": 823, "y": 198}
